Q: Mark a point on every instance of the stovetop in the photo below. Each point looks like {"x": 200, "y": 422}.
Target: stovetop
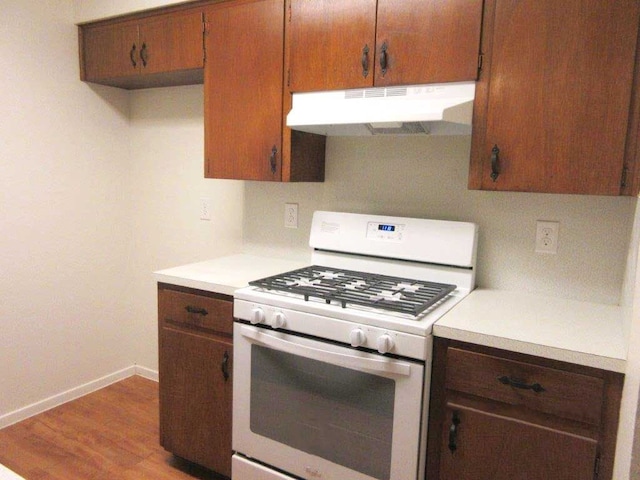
{"x": 348, "y": 288}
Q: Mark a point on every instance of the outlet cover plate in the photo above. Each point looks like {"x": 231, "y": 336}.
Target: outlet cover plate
{"x": 547, "y": 236}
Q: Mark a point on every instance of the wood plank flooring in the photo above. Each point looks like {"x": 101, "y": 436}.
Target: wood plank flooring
{"x": 108, "y": 434}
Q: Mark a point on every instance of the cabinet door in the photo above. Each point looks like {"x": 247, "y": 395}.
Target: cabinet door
{"x": 195, "y": 398}
{"x": 330, "y": 40}
{"x": 243, "y": 89}
{"x": 555, "y": 95}
{"x": 427, "y": 41}
{"x": 110, "y": 51}
{"x": 490, "y": 446}
{"x": 171, "y": 42}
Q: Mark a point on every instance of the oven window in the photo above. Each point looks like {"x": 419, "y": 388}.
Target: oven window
{"x": 342, "y": 415}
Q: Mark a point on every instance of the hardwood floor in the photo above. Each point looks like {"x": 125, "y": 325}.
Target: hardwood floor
{"x": 108, "y": 434}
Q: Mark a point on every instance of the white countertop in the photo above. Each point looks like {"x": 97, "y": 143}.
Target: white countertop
{"x": 6, "y": 474}
{"x": 226, "y": 274}
{"x": 583, "y": 333}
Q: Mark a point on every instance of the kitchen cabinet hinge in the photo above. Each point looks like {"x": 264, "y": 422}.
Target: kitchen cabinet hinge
{"x": 288, "y": 77}
{"x": 480, "y": 62}
{"x": 596, "y": 468}
{"x": 289, "y": 11}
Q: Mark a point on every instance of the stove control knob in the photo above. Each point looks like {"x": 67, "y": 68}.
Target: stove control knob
{"x": 277, "y": 320}
{"x": 257, "y": 316}
{"x": 356, "y": 337}
{"x": 385, "y": 343}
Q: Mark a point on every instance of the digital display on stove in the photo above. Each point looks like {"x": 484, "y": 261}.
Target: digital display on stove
{"x": 387, "y": 228}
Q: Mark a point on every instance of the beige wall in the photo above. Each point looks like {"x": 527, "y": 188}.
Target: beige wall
{"x": 167, "y": 171}
{"x": 427, "y": 177}
{"x": 64, "y": 223}
{"x": 88, "y": 10}
{"x": 98, "y": 188}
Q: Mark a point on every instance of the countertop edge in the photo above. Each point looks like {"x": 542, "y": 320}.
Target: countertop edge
{"x": 617, "y": 365}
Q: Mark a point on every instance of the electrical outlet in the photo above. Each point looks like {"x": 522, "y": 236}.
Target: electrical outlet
{"x": 547, "y": 237}
{"x": 205, "y": 208}
{"x": 291, "y": 215}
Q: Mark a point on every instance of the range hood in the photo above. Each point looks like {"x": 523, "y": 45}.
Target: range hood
{"x": 435, "y": 109}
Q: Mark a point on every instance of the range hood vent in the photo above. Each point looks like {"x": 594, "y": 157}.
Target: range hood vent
{"x": 436, "y": 109}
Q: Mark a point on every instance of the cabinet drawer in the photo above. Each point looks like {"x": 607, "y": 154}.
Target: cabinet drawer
{"x": 564, "y": 394}
{"x": 194, "y": 310}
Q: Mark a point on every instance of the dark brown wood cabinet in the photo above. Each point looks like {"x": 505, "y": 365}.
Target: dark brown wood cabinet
{"x": 245, "y": 104}
{"x": 195, "y": 363}
{"x": 363, "y": 43}
{"x": 555, "y": 107}
{"x": 506, "y": 416}
{"x": 155, "y": 50}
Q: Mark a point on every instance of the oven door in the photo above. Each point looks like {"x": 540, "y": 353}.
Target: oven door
{"x": 319, "y": 410}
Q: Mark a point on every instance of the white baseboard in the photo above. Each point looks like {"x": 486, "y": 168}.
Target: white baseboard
{"x": 147, "y": 373}
{"x": 76, "y": 392}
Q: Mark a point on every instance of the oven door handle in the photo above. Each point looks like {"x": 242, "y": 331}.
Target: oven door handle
{"x": 381, "y": 365}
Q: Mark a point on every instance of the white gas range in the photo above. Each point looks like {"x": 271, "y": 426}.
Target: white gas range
{"x": 332, "y": 361}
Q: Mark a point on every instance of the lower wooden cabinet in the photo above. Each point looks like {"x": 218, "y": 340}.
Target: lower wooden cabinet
{"x": 195, "y": 363}
{"x": 500, "y": 415}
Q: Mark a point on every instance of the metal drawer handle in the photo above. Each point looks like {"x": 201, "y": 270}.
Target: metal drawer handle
{"x": 536, "y": 387}
{"x": 196, "y": 310}
{"x": 143, "y": 54}
{"x": 272, "y": 159}
{"x": 132, "y": 55}
{"x": 453, "y": 432}
{"x": 365, "y": 61}
{"x": 384, "y": 60}
{"x": 495, "y": 162}
{"x": 225, "y": 366}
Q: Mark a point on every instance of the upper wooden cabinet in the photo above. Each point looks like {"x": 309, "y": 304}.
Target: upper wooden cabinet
{"x": 363, "y": 43}
{"x": 245, "y": 104}
{"x": 555, "y": 109}
{"x": 158, "y": 50}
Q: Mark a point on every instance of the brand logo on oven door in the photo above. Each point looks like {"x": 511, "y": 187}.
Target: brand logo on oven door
{"x": 313, "y": 472}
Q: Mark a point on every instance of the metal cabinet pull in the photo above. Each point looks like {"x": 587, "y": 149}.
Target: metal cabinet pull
{"x": 536, "y": 387}
{"x": 384, "y": 60}
{"x": 495, "y": 162}
{"x": 272, "y": 159}
{"x": 132, "y": 56}
{"x": 144, "y": 55}
{"x": 225, "y": 366}
{"x": 196, "y": 310}
{"x": 453, "y": 432}
{"x": 365, "y": 61}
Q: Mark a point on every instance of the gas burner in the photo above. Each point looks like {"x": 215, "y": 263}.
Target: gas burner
{"x": 349, "y": 288}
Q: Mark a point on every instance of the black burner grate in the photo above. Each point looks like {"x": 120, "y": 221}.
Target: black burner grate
{"x": 347, "y": 287}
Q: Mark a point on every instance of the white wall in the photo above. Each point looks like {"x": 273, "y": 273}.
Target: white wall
{"x": 88, "y": 10}
{"x": 64, "y": 224}
{"x": 629, "y": 427}
{"x": 427, "y": 177}
{"x": 98, "y": 188}
{"x": 167, "y": 171}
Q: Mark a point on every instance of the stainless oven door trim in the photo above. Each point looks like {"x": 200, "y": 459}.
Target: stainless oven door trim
{"x": 373, "y": 365}
{"x": 409, "y": 422}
